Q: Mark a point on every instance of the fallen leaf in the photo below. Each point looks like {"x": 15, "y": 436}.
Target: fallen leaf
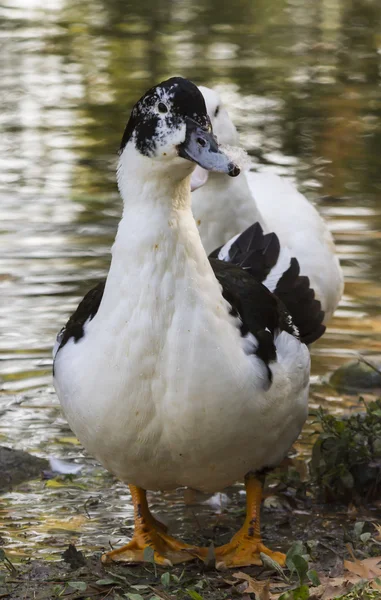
{"x": 53, "y": 483}
{"x": 374, "y": 565}
{"x": 73, "y": 523}
{"x": 366, "y": 569}
{"x": 81, "y": 586}
{"x": 68, "y": 440}
{"x": 261, "y": 589}
{"x": 328, "y": 592}
{"x": 376, "y": 584}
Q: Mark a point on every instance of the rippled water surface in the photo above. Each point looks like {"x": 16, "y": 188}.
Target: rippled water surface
{"x": 302, "y": 82}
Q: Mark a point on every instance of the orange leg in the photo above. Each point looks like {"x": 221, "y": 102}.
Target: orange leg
{"x": 149, "y": 533}
{"x": 246, "y": 545}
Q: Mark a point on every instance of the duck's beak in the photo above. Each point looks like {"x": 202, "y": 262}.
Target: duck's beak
{"x": 200, "y": 146}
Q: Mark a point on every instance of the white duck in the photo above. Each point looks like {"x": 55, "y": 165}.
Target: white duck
{"x": 179, "y": 370}
{"x": 222, "y": 207}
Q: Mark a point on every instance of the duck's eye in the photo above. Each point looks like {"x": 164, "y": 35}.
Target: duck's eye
{"x": 161, "y": 107}
{"x": 217, "y": 111}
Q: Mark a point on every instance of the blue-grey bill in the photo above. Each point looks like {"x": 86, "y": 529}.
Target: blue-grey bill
{"x": 201, "y": 146}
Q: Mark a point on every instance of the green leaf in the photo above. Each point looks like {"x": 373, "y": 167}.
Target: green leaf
{"x": 78, "y": 585}
{"x": 134, "y": 596}
{"x": 297, "y": 549}
{"x": 166, "y": 579}
{"x": 116, "y": 576}
{"x": 107, "y": 581}
{"x": 299, "y": 593}
{"x": 347, "y": 480}
{"x": 200, "y": 584}
{"x": 364, "y": 537}
{"x": 194, "y": 595}
{"x": 273, "y": 565}
{"x": 313, "y": 577}
{"x": 301, "y": 566}
{"x": 140, "y": 587}
{"x": 58, "y": 589}
{"x": 358, "y": 528}
{"x": 149, "y": 555}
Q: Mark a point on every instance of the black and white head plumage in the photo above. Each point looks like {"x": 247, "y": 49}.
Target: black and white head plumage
{"x": 161, "y": 109}
{"x": 171, "y": 121}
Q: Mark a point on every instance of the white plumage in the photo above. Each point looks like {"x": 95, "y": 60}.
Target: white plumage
{"x": 223, "y": 206}
{"x": 159, "y": 386}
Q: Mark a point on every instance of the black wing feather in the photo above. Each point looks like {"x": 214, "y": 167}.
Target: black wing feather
{"x": 295, "y": 292}
{"x": 257, "y": 254}
{"x": 260, "y": 311}
{"x": 87, "y": 309}
{"x": 254, "y": 251}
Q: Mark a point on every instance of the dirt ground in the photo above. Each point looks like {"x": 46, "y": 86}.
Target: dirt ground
{"x": 325, "y": 532}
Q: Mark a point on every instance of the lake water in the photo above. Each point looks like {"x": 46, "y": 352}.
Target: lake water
{"x": 302, "y": 81}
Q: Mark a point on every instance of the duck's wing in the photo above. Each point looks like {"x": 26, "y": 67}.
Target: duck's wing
{"x": 86, "y": 310}
{"x": 252, "y": 250}
{"x": 262, "y": 314}
{"x": 299, "y": 226}
{"x": 261, "y": 256}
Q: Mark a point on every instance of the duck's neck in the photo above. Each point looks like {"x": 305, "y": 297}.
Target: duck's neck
{"x": 157, "y": 232}
{"x": 239, "y": 196}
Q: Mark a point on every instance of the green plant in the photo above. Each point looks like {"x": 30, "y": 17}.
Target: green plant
{"x": 346, "y": 457}
{"x": 297, "y": 564}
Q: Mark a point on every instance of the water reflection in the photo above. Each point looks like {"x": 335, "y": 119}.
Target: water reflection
{"x": 302, "y": 82}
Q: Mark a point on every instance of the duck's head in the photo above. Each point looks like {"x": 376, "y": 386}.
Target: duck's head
{"x": 223, "y": 127}
{"x": 171, "y": 128}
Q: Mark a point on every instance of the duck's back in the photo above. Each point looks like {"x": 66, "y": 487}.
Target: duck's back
{"x": 300, "y": 228}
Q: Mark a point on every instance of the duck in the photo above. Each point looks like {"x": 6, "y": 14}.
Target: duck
{"x": 178, "y": 369}
{"x": 222, "y": 207}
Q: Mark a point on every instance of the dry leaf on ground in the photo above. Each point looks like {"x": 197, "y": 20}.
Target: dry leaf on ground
{"x": 368, "y": 568}
{"x": 376, "y": 586}
{"x": 331, "y": 588}
{"x": 261, "y": 589}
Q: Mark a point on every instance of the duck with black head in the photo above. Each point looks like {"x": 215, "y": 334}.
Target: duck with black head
{"x": 179, "y": 370}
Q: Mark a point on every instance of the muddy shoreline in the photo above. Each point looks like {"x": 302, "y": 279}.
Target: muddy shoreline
{"x": 325, "y": 532}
